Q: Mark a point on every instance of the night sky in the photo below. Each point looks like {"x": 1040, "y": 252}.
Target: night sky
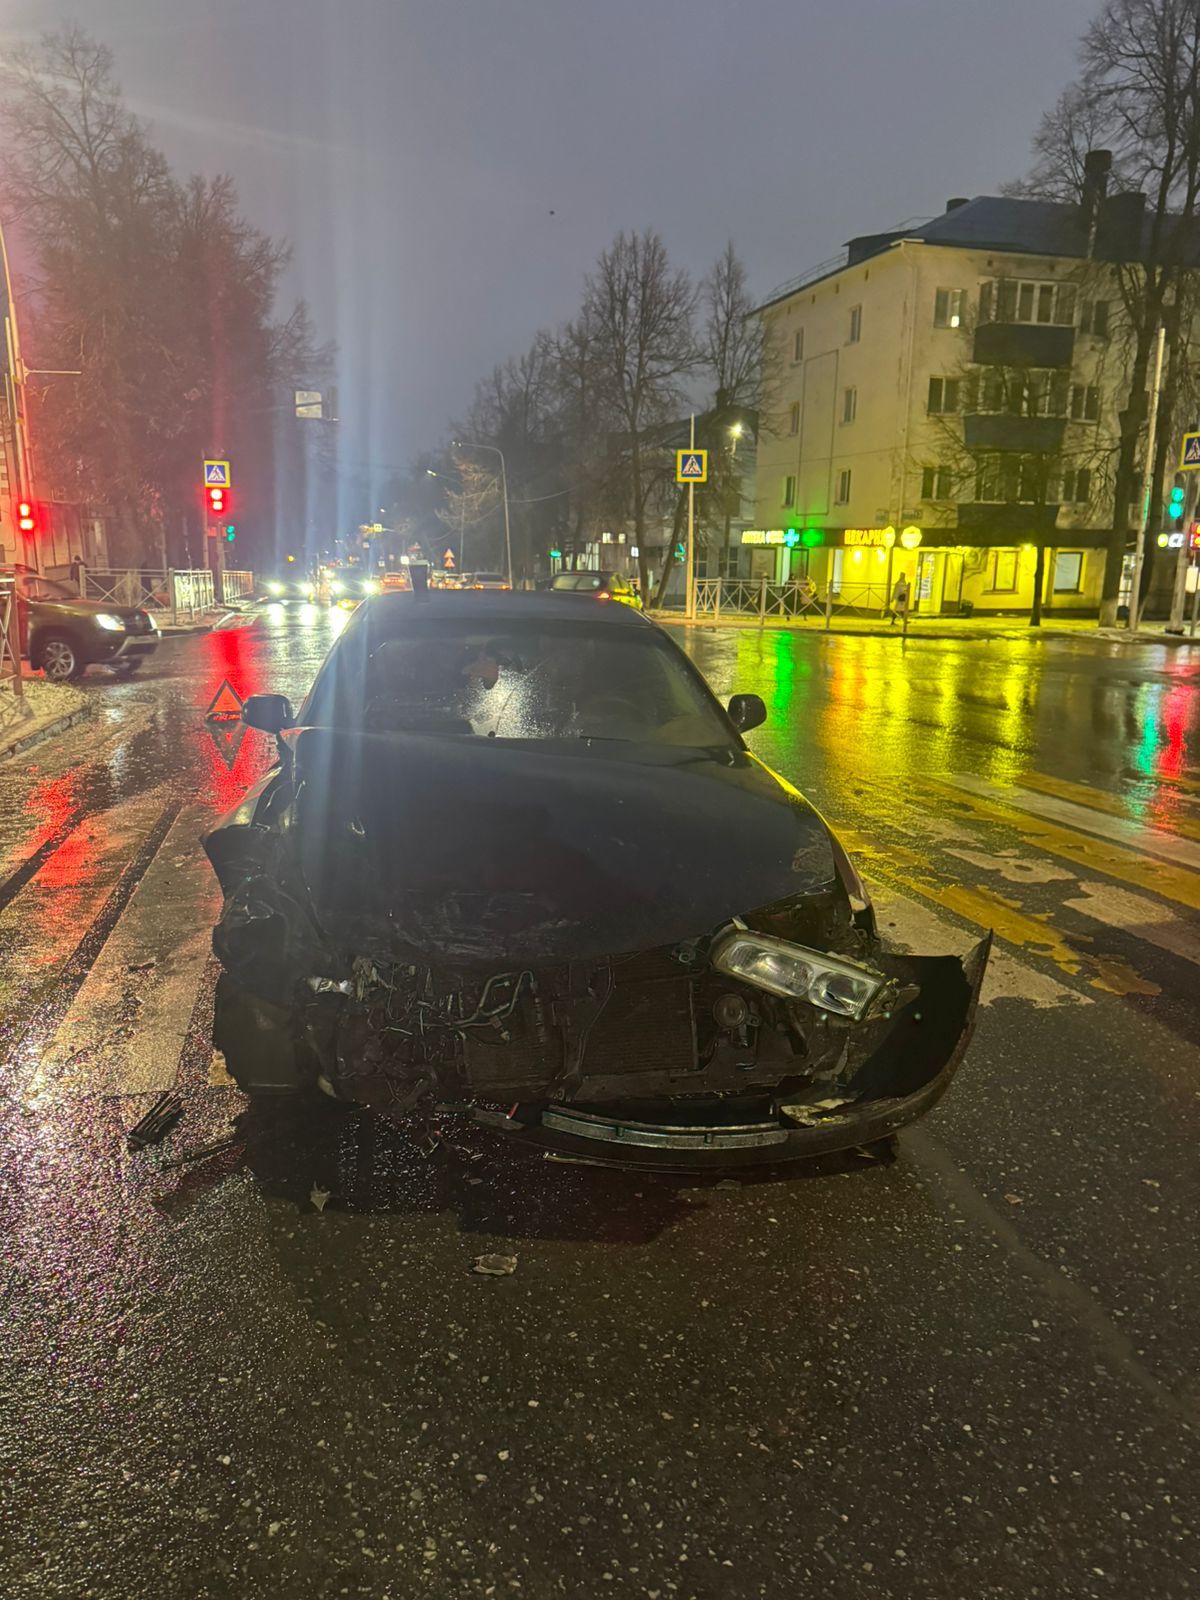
{"x": 413, "y": 152}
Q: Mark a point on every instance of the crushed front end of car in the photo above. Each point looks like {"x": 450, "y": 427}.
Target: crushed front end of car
{"x": 655, "y": 961}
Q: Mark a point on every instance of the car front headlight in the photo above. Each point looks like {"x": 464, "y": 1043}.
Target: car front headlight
{"x": 105, "y": 619}
{"x": 274, "y": 588}
{"x": 831, "y": 983}
{"x": 337, "y": 587}
{"x": 370, "y": 586}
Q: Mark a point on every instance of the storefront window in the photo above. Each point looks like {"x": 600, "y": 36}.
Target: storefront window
{"x": 1004, "y": 572}
{"x": 1068, "y": 571}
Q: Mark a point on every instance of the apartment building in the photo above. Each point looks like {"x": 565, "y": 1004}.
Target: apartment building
{"x": 946, "y": 402}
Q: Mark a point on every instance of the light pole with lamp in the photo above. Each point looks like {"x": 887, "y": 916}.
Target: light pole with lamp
{"x": 464, "y": 444}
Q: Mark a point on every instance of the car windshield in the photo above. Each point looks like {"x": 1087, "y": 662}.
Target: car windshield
{"x": 580, "y": 580}
{"x": 534, "y": 680}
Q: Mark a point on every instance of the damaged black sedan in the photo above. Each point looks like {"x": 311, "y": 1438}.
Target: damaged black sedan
{"x": 516, "y": 859}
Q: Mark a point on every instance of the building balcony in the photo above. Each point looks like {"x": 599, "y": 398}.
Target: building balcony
{"x": 1018, "y": 522}
{"x": 1002, "y": 431}
{"x": 1023, "y": 344}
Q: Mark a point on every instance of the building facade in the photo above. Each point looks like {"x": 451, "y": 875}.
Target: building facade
{"x": 946, "y": 406}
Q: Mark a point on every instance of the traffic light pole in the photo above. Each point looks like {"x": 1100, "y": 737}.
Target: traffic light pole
{"x": 689, "y": 584}
{"x": 1183, "y": 557}
{"x": 1135, "y": 600}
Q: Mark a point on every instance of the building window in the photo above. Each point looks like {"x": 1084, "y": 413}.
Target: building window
{"x": 855, "y": 325}
{"x": 1068, "y": 571}
{"x": 1085, "y": 402}
{"x": 1026, "y": 300}
{"x": 794, "y": 417}
{"x": 1077, "y": 487}
{"x": 798, "y": 345}
{"x": 1093, "y": 318}
{"x": 948, "y": 307}
{"x": 789, "y": 489}
{"x": 1004, "y": 572}
{"x": 843, "y": 487}
{"x": 943, "y": 396}
{"x": 935, "y": 483}
{"x": 849, "y": 404}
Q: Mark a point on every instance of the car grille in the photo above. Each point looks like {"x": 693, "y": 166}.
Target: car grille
{"x": 647, "y": 1026}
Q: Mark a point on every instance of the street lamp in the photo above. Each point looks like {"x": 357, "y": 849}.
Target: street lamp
{"x": 463, "y": 444}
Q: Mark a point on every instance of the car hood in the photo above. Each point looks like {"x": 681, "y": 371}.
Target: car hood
{"x": 468, "y": 849}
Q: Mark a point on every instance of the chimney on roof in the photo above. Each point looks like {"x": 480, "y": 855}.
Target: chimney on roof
{"x": 1097, "y": 165}
{"x": 959, "y": 200}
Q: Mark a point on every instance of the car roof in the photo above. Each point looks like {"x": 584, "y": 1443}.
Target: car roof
{"x": 502, "y": 605}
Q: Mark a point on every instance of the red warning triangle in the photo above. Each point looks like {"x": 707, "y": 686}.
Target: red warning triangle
{"x": 225, "y": 703}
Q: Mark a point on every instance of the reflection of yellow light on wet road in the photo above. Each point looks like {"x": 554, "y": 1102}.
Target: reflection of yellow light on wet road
{"x": 275, "y": 613}
{"x": 308, "y": 615}
{"x": 338, "y": 618}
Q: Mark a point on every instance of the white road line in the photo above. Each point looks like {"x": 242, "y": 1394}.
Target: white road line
{"x": 920, "y": 931}
{"x": 1149, "y": 920}
{"x": 125, "y": 1031}
{"x": 1118, "y": 830}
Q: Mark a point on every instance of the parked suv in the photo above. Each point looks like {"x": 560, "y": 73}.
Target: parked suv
{"x": 64, "y": 634}
{"x": 604, "y": 585}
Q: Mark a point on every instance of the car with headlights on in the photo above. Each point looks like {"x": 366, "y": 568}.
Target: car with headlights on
{"x": 289, "y": 589}
{"x": 63, "y": 634}
{"x": 516, "y": 858}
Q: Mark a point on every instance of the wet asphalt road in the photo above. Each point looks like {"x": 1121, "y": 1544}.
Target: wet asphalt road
{"x": 969, "y": 1373}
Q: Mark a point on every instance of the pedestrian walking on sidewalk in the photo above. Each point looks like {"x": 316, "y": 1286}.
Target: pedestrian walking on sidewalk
{"x": 78, "y": 568}
{"x": 899, "y": 600}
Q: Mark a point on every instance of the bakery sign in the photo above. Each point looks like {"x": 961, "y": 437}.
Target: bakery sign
{"x": 870, "y": 538}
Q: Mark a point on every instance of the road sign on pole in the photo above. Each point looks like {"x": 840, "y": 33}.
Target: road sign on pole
{"x": 1189, "y": 455}
{"x": 691, "y": 465}
{"x": 217, "y": 475}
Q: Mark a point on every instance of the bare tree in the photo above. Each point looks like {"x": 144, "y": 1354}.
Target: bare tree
{"x": 639, "y": 312}
{"x": 1138, "y": 95}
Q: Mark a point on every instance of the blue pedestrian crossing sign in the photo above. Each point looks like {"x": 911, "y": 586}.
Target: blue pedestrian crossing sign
{"x": 691, "y": 466}
{"x": 1189, "y": 456}
{"x": 216, "y": 475}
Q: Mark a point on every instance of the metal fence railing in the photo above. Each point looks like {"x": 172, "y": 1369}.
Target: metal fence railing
{"x": 12, "y": 689}
{"x": 236, "y": 585}
{"x": 790, "y": 602}
{"x": 182, "y": 594}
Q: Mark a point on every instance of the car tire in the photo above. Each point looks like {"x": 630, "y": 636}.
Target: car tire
{"x": 59, "y": 657}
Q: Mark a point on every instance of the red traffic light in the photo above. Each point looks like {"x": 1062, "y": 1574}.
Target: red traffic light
{"x": 216, "y": 502}
{"x": 26, "y": 520}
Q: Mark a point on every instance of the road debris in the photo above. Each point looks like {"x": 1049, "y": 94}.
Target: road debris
{"x": 495, "y": 1266}
{"x": 320, "y": 1197}
{"x": 202, "y": 1154}
{"x": 157, "y": 1123}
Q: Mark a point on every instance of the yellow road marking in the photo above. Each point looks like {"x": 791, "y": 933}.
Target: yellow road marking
{"x": 1080, "y": 794}
{"x": 1129, "y": 867}
{"x": 986, "y": 909}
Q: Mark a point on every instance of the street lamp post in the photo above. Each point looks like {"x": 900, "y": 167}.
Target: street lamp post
{"x": 466, "y": 444}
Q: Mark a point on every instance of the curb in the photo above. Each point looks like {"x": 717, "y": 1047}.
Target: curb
{"x": 13, "y": 747}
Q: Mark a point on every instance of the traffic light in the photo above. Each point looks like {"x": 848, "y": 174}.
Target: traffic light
{"x": 26, "y": 520}
{"x": 1175, "y": 505}
{"x": 217, "y": 506}
{"x": 230, "y": 532}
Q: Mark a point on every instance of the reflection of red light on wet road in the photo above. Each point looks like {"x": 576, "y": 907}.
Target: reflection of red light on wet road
{"x": 1177, "y": 711}
{"x": 228, "y": 657}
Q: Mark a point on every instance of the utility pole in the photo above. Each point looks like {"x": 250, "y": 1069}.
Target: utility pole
{"x": 1148, "y": 495}
{"x": 690, "y": 591}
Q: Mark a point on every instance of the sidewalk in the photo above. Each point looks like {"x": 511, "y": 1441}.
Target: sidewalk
{"x": 939, "y": 628}
{"x": 43, "y": 710}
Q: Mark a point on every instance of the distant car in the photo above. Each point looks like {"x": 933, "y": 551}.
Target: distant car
{"x": 65, "y": 634}
{"x": 604, "y": 585}
{"x": 485, "y": 580}
{"x": 289, "y": 588}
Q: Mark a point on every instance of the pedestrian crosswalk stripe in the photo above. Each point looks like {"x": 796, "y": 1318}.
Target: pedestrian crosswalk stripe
{"x": 1185, "y": 826}
{"x": 126, "y": 1028}
{"x": 1121, "y": 830}
{"x": 1139, "y": 917}
{"x": 1130, "y": 867}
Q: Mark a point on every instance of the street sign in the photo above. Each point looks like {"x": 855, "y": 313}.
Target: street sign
{"x": 226, "y": 703}
{"x": 1189, "y": 456}
{"x": 448, "y": 560}
{"x": 691, "y": 466}
{"x": 217, "y": 475}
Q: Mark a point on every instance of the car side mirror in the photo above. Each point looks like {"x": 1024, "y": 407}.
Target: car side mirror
{"x": 269, "y": 713}
{"x": 746, "y": 711}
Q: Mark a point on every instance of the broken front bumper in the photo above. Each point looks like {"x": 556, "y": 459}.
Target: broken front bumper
{"x": 906, "y": 1075}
